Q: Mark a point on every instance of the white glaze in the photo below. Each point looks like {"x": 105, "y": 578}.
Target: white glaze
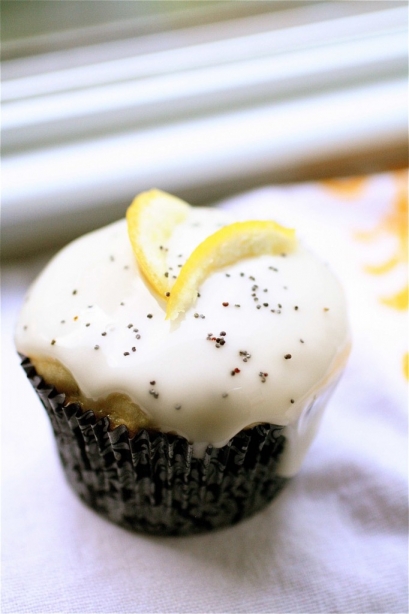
{"x": 96, "y": 281}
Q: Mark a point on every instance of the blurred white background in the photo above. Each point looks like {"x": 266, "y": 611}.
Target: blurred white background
{"x": 204, "y": 99}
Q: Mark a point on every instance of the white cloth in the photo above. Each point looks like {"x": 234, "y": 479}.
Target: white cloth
{"x": 335, "y": 540}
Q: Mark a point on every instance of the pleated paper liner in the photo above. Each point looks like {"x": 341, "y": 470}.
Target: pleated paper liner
{"x": 151, "y": 482}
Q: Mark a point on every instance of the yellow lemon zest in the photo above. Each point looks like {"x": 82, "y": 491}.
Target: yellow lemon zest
{"x": 399, "y": 300}
{"x": 151, "y": 219}
{"x": 224, "y": 247}
{"x": 405, "y": 365}
{"x": 348, "y": 187}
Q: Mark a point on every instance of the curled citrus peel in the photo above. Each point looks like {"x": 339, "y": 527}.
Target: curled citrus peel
{"x": 226, "y": 246}
{"x": 151, "y": 219}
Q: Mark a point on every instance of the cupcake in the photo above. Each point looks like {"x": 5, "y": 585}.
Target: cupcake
{"x": 185, "y": 361}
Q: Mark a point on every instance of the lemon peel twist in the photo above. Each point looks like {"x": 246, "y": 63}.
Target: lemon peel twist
{"x": 226, "y": 246}
{"x": 153, "y": 216}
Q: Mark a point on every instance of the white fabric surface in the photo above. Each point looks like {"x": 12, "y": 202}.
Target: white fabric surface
{"x": 335, "y": 540}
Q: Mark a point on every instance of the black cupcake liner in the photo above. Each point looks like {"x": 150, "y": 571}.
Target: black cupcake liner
{"x": 151, "y": 482}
